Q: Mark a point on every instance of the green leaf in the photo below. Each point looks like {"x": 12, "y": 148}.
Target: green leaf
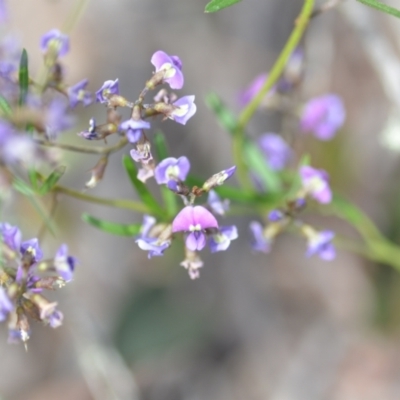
{"x": 112, "y": 227}
{"x": 52, "y": 180}
{"x": 23, "y": 77}
{"x": 22, "y": 187}
{"x": 141, "y": 189}
{"x": 224, "y": 116}
{"x": 34, "y": 178}
{"x": 5, "y": 107}
{"x": 257, "y": 163}
{"x": 170, "y": 198}
{"x": 381, "y": 7}
{"x": 216, "y": 5}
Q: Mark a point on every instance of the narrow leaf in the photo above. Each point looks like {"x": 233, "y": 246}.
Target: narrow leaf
{"x": 257, "y": 163}
{"x": 216, "y": 5}
{"x": 141, "y": 189}
{"x": 5, "y": 107}
{"x": 381, "y": 7}
{"x": 52, "y": 180}
{"x": 23, "y": 77}
{"x": 112, "y": 227}
{"x": 224, "y": 116}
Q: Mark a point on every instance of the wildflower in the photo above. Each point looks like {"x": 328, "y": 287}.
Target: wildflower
{"x": 32, "y": 249}
{"x": 57, "y": 118}
{"x": 221, "y": 240}
{"x": 168, "y": 70}
{"x": 316, "y": 184}
{"x": 134, "y": 129}
{"x": 77, "y": 93}
{"x": 172, "y": 169}
{"x": 64, "y": 264}
{"x": 11, "y": 236}
{"x": 152, "y": 238}
{"x": 260, "y": 242}
{"x": 55, "y": 41}
{"x": 108, "y": 89}
{"x": 323, "y": 116}
{"x": 217, "y": 205}
{"x": 276, "y": 150}
{"x": 275, "y": 215}
{"x": 184, "y": 109}
{"x": 195, "y": 221}
{"x": 219, "y": 178}
{"x": 252, "y": 89}
{"x": 320, "y": 243}
{"x": 6, "y": 306}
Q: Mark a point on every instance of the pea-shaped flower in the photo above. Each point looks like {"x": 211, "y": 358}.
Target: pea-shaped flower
{"x": 171, "y": 66}
{"x": 195, "y": 221}
{"x": 316, "y": 184}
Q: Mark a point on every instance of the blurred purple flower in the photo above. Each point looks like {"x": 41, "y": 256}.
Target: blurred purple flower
{"x": 260, "y": 242}
{"x": 221, "y": 241}
{"x": 134, "y": 128}
{"x": 316, "y": 184}
{"x": 172, "y": 169}
{"x": 77, "y": 93}
{"x": 321, "y": 244}
{"x": 153, "y": 245}
{"x": 3, "y": 12}
{"x": 217, "y": 205}
{"x": 219, "y": 178}
{"x": 192, "y": 263}
{"x": 275, "y": 215}
{"x": 323, "y": 116}
{"x": 252, "y": 89}
{"x": 172, "y": 67}
{"x": 11, "y": 236}
{"x": 57, "y": 118}
{"x": 64, "y": 264}
{"x": 56, "y": 40}
{"x": 32, "y": 247}
{"x": 6, "y": 305}
{"x": 276, "y": 150}
{"x": 194, "y": 220}
{"x": 109, "y": 88}
{"x": 184, "y": 111}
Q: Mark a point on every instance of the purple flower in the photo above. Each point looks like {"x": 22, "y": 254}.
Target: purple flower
{"x": 109, "y": 88}
{"x": 64, "y": 264}
{"x": 221, "y": 241}
{"x": 217, "y": 205}
{"x": 323, "y": 116}
{"x": 57, "y": 118}
{"x": 185, "y": 109}
{"x": 55, "y": 40}
{"x": 32, "y": 247}
{"x": 11, "y": 236}
{"x": 55, "y": 319}
{"x": 275, "y": 215}
{"x": 194, "y": 220}
{"x": 77, "y": 93}
{"x": 260, "y": 242}
{"x": 142, "y": 153}
{"x": 172, "y": 67}
{"x": 316, "y": 184}
{"x": 321, "y": 243}
{"x": 153, "y": 245}
{"x": 19, "y": 148}
{"x": 172, "y": 169}
{"x": 134, "y": 128}
{"x": 276, "y": 150}
{"x": 6, "y": 305}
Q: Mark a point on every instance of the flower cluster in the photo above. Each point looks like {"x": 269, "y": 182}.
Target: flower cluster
{"x": 197, "y": 222}
{"x": 24, "y": 275}
{"x": 314, "y": 185}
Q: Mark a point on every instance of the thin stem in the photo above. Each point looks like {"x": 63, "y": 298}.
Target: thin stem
{"x": 301, "y": 24}
{"x": 75, "y": 16}
{"x": 119, "y": 203}
{"x": 85, "y": 149}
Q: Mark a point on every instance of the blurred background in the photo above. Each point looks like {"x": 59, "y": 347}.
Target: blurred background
{"x": 254, "y": 327}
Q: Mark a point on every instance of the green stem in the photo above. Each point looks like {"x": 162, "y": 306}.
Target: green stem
{"x": 86, "y": 149}
{"x": 301, "y": 24}
{"x": 119, "y": 203}
{"x": 381, "y": 7}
